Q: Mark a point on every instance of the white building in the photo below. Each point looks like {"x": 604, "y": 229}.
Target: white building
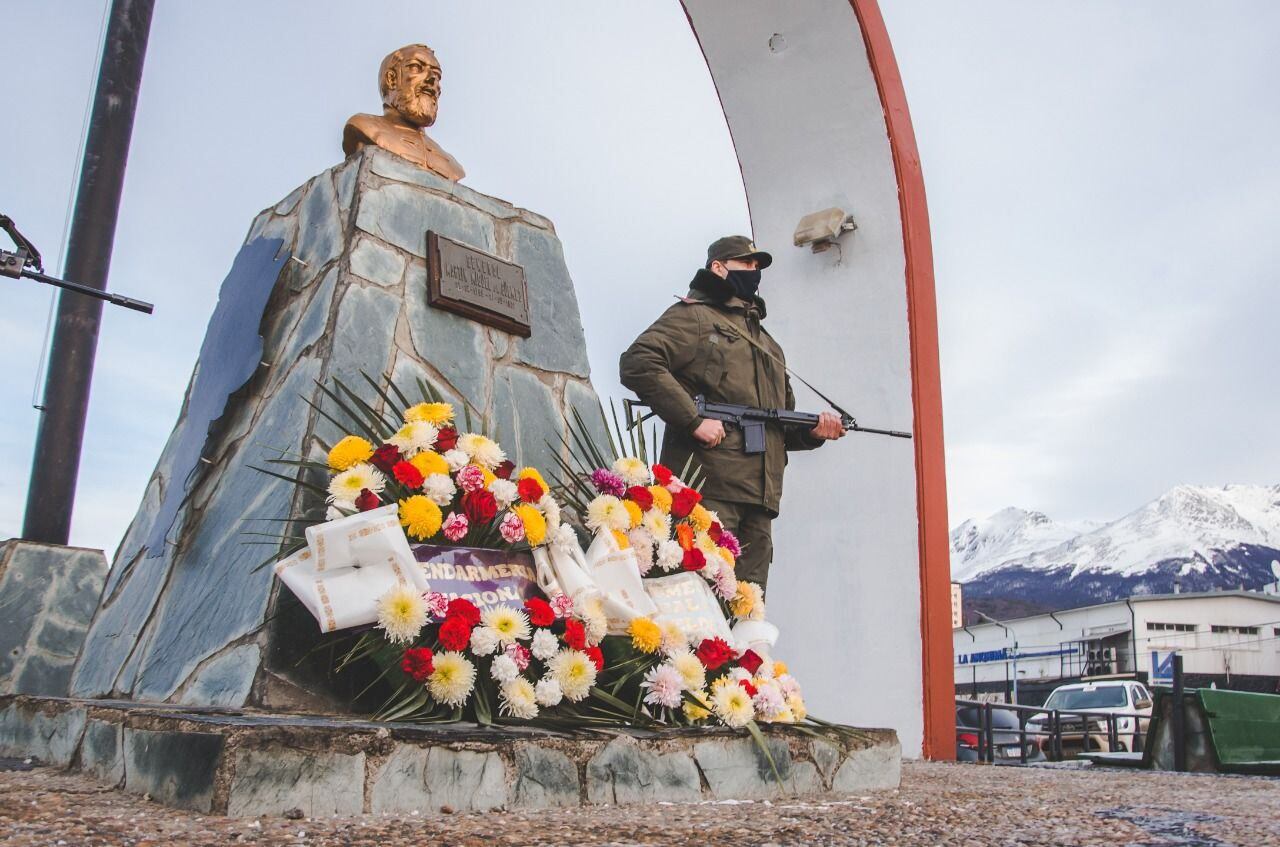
{"x": 1230, "y": 639}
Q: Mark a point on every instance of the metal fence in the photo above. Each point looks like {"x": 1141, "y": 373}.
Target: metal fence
{"x": 1053, "y": 731}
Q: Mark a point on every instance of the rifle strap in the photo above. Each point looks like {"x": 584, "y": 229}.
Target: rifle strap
{"x": 733, "y": 331}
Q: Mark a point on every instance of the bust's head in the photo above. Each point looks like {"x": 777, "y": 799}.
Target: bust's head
{"x": 409, "y": 80}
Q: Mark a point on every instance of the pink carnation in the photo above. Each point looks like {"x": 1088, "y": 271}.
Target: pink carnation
{"x": 519, "y": 654}
{"x": 437, "y": 603}
{"x": 562, "y": 605}
{"x": 455, "y": 526}
{"x": 608, "y": 482}
{"x": 470, "y": 478}
{"x": 730, "y": 542}
{"x": 512, "y": 528}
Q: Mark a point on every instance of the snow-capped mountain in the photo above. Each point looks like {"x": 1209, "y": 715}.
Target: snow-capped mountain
{"x": 1199, "y": 537}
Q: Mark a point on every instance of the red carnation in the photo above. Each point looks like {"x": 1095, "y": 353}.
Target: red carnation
{"x": 641, "y": 496}
{"x": 683, "y": 501}
{"x": 715, "y": 531}
{"x": 748, "y": 687}
{"x": 386, "y": 457}
{"x": 713, "y": 652}
{"x": 479, "y": 506}
{"x": 693, "y": 560}
{"x": 750, "y": 661}
{"x": 662, "y": 474}
{"x": 460, "y": 607}
{"x": 407, "y": 474}
{"x": 505, "y": 469}
{"x": 455, "y": 633}
{"x": 417, "y": 663}
{"x": 447, "y": 439}
{"x": 575, "y": 634}
{"x": 367, "y": 500}
{"x": 540, "y": 611}
{"x": 530, "y": 490}
{"x": 596, "y": 655}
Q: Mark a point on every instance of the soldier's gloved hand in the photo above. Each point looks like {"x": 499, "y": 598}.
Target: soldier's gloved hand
{"x": 711, "y": 432}
{"x": 829, "y": 427}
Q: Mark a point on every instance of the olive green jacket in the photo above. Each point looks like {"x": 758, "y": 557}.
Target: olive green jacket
{"x": 696, "y": 347}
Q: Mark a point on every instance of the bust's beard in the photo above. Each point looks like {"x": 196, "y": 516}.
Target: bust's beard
{"x": 419, "y": 110}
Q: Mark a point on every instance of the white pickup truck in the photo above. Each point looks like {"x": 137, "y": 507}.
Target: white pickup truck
{"x": 1128, "y": 699}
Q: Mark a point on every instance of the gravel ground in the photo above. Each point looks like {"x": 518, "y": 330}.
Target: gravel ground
{"x": 938, "y": 804}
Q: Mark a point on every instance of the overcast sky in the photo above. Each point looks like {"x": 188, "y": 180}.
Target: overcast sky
{"x": 1103, "y": 184}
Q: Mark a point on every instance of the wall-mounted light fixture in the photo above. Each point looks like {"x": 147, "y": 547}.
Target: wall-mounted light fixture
{"x": 821, "y": 229}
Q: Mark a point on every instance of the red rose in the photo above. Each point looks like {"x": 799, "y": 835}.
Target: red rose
{"x": 750, "y": 661}
{"x": 713, "y": 652}
{"x": 575, "y": 634}
{"x": 479, "y": 506}
{"x": 596, "y": 655}
{"x": 460, "y": 607}
{"x": 530, "y": 490}
{"x": 693, "y": 560}
{"x": 683, "y": 501}
{"x": 447, "y": 439}
{"x": 505, "y": 469}
{"x": 417, "y": 663}
{"x": 367, "y": 500}
{"x": 641, "y": 496}
{"x": 540, "y": 611}
{"x": 386, "y": 457}
{"x": 662, "y": 474}
{"x": 715, "y": 531}
{"x": 748, "y": 687}
{"x": 455, "y": 633}
{"x": 407, "y": 474}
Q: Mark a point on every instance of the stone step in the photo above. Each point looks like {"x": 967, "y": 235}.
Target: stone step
{"x": 243, "y": 763}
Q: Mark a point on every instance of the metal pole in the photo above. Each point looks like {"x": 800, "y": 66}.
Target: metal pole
{"x": 1176, "y": 721}
{"x": 93, "y": 225}
{"x": 1015, "y": 671}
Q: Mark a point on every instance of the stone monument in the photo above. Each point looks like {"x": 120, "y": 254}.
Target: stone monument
{"x": 383, "y": 264}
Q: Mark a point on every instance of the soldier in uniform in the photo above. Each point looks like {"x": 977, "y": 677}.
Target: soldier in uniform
{"x": 698, "y": 347}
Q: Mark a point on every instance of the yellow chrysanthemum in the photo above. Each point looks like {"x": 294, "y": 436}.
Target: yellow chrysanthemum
{"x": 438, "y": 414}
{"x": 796, "y": 703}
{"x": 728, "y": 557}
{"x": 532, "y": 473}
{"x": 700, "y": 518}
{"x": 634, "y": 512}
{"x": 489, "y": 477}
{"x": 420, "y": 517}
{"x": 535, "y": 525}
{"x": 452, "y": 680}
{"x": 743, "y": 602}
{"x": 661, "y": 498}
{"x": 690, "y": 668}
{"x": 697, "y": 711}
{"x": 646, "y": 636}
{"x": 779, "y": 668}
{"x": 621, "y": 538}
{"x": 430, "y": 462}
{"x": 510, "y": 625}
{"x": 351, "y": 450}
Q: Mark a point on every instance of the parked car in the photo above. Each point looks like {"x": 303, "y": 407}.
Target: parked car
{"x": 1128, "y": 700}
{"x": 1005, "y": 734}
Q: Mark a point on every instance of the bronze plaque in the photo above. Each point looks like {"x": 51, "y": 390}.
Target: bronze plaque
{"x": 478, "y": 286}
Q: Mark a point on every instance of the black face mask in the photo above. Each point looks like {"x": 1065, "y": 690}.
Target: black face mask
{"x": 744, "y": 283}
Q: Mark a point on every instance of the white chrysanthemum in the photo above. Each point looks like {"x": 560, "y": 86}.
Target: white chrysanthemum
{"x": 769, "y": 699}
{"x": 402, "y": 613}
{"x": 439, "y": 489}
{"x": 503, "y": 668}
{"x": 333, "y": 513}
{"x": 414, "y": 437}
{"x": 455, "y": 459}
{"x": 664, "y": 684}
{"x": 690, "y": 669}
{"x": 545, "y": 644}
{"x": 658, "y": 523}
{"x": 669, "y": 555}
{"x": 674, "y": 639}
{"x": 789, "y": 684}
{"x": 345, "y": 487}
{"x": 607, "y": 512}
{"x": 564, "y": 538}
{"x": 504, "y": 491}
{"x": 518, "y": 699}
{"x": 594, "y": 620}
{"x": 765, "y": 671}
{"x": 642, "y": 543}
{"x": 482, "y": 450}
{"x": 739, "y": 674}
{"x": 551, "y": 511}
{"x": 732, "y": 705}
{"x": 633, "y": 471}
{"x": 452, "y": 680}
{"x": 484, "y": 641}
{"x": 510, "y": 625}
{"x": 708, "y": 547}
{"x": 548, "y": 692}
{"x": 574, "y": 671}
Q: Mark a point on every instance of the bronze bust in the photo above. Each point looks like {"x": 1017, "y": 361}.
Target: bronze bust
{"x": 409, "y": 80}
